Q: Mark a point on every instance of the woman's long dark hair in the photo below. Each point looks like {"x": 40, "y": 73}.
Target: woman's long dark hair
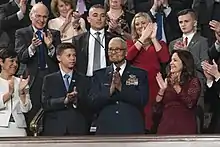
{"x": 188, "y": 71}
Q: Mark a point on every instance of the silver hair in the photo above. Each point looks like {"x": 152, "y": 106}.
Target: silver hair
{"x": 33, "y": 9}
{"x": 123, "y": 42}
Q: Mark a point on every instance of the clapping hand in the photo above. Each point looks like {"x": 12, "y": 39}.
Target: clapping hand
{"x": 23, "y": 6}
{"x": 154, "y": 31}
{"x": 69, "y": 16}
{"x": 76, "y": 17}
{"x": 72, "y": 97}
{"x": 146, "y": 32}
{"x": 156, "y": 5}
{"x": 36, "y": 41}
{"x": 113, "y": 25}
{"x": 204, "y": 67}
{"x": 179, "y": 45}
{"x": 48, "y": 38}
{"x": 215, "y": 26}
{"x": 23, "y": 83}
{"x": 211, "y": 69}
{"x": 162, "y": 83}
{"x": 116, "y": 82}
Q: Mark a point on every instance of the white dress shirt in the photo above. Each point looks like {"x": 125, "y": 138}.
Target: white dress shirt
{"x": 91, "y": 50}
{"x": 122, "y": 68}
{"x": 63, "y": 74}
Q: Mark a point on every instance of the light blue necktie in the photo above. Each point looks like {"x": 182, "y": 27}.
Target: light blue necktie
{"x": 66, "y": 81}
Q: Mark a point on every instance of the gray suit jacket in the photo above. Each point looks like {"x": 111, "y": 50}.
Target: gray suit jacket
{"x": 198, "y": 46}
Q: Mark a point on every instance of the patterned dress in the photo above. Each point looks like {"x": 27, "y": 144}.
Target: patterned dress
{"x": 179, "y": 109}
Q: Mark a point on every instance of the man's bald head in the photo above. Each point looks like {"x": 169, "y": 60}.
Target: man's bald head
{"x": 38, "y": 6}
{"x": 39, "y": 15}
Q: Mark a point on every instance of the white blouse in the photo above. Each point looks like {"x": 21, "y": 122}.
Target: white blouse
{"x": 70, "y": 32}
{"x": 14, "y": 106}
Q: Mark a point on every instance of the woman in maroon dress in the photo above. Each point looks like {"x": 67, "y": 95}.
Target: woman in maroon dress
{"x": 179, "y": 93}
{"x": 146, "y": 52}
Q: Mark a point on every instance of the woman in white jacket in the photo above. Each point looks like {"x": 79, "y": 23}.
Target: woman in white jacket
{"x": 14, "y": 96}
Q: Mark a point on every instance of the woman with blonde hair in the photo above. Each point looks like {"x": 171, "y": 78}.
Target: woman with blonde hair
{"x": 146, "y": 52}
{"x": 67, "y": 21}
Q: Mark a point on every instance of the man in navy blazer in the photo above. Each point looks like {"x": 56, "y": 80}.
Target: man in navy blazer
{"x": 119, "y": 93}
{"x": 63, "y": 97}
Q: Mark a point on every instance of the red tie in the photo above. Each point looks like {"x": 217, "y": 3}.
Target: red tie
{"x": 186, "y": 41}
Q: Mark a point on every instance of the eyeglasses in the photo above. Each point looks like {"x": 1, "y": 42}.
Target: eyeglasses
{"x": 116, "y": 50}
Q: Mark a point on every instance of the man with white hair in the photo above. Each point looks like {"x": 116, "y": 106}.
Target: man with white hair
{"x": 36, "y": 45}
{"x": 119, "y": 93}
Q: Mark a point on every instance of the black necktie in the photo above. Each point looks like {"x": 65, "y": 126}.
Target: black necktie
{"x": 97, "y": 52}
{"x": 118, "y": 69}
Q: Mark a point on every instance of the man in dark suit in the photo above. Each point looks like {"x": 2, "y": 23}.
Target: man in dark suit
{"x": 207, "y": 10}
{"x": 212, "y": 94}
{"x": 196, "y": 44}
{"x": 64, "y": 102}
{"x": 36, "y": 48}
{"x": 119, "y": 93}
{"x": 165, "y": 16}
{"x": 13, "y": 15}
{"x": 91, "y": 47}
{"x": 214, "y": 51}
{"x": 3, "y": 2}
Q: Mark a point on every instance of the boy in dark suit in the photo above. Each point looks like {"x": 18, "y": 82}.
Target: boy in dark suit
{"x": 63, "y": 97}
{"x": 119, "y": 93}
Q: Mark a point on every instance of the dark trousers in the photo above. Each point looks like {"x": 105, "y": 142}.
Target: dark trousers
{"x": 35, "y": 96}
